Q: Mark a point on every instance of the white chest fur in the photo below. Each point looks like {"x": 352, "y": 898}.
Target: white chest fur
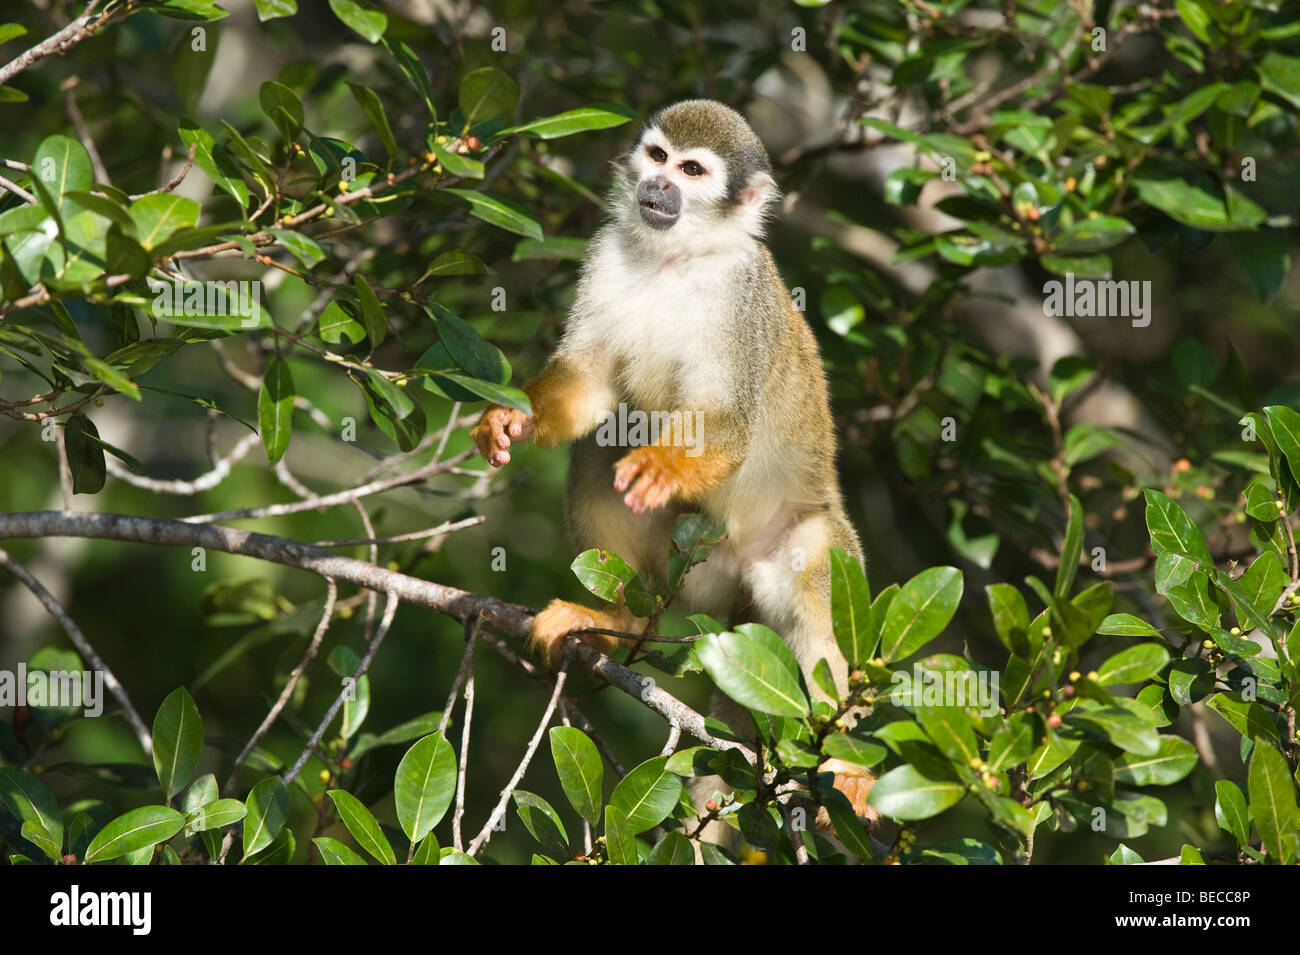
{"x": 664, "y": 327}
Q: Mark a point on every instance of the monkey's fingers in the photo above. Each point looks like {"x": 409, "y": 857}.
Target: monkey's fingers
{"x": 497, "y": 429}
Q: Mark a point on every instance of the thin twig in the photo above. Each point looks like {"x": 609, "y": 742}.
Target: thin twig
{"x": 83, "y": 647}
{"x": 326, "y": 616}
{"x": 390, "y": 608}
{"x": 486, "y": 832}
{"x": 467, "y": 665}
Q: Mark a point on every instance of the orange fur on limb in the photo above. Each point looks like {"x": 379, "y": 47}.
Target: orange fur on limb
{"x": 565, "y": 406}
{"x": 653, "y": 475}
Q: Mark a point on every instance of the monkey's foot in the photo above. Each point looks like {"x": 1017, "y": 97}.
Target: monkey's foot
{"x": 855, "y": 783}
{"x": 561, "y": 618}
{"x": 497, "y": 429}
{"x": 647, "y": 477}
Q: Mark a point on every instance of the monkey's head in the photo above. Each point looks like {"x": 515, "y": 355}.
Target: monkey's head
{"x": 697, "y": 174}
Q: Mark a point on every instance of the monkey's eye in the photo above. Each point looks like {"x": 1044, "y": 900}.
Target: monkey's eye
{"x": 692, "y": 168}
{"x": 657, "y": 154}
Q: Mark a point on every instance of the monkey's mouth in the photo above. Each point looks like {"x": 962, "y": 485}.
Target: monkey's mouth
{"x": 656, "y": 214}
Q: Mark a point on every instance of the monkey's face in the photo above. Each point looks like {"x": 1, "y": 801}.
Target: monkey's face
{"x": 697, "y": 179}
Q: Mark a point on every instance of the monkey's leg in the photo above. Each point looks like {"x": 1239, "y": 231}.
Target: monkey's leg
{"x": 598, "y": 519}
{"x": 789, "y": 582}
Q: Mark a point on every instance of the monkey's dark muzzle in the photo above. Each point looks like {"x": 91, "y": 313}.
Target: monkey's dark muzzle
{"x": 660, "y": 202}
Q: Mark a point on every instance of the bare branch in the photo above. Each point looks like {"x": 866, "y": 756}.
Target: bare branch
{"x": 204, "y": 482}
{"x": 83, "y": 647}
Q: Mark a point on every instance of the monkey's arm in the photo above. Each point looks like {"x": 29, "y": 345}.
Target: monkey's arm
{"x": 654, "y": 474}
{"x": 568, "y": 397}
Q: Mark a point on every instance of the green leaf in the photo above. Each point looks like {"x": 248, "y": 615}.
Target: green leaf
{"x": 1071, "y": 549}
{"x": 1195, "y": 207}
{"x": 372, "y": 312}
{"x": 158, "y": 215}
{"x": 577, "y": 762}
{"x": 672, "y": 849}
{"x": 363, "y": 825}
{"x": 557, "y": 247}
{"x": 424, "y": 786}
{"x": 851, "y": 608}
{"x": 268, "y": 811}
{"x": 920, "y": 611}
{"x": 476, "y": 357}
{"x": 1013, "y": 744}
{"x": 85, "y": 455}
{"x": 1118, "y": 725}
{"x": 851, "y": 749}
{"x": 951, "y": 729}
{"x": 1127, "y": 625}
{"x": 485, "y": 93}
{"x": 1137, "y": 663}
{"x": 214, "y": 160}
{"x": 1093, "y": 235}
{"x": 457, "y": 165}
{"x": 215, "y": 815}
{"x": 11, "y": 31}
{"x": 282, "y": 106}
{"x": 905, "y": 793}
{"x": 1230, "y": 811}
{"x": 336, "y": 323}
{"x": 751, "y": 674}
{"x": 177, "y": 741}
{"x": 371, "y": 24}
{"x": 646, "y": 795}
{"x": 33, "y": 808}
{"x": 1249, "y": 718}
{"x": 1280, "y": 74}
{"x": 333, "y": 852}
{"x": 1172, "y": 531}
{"x": 458, "y": 262}
{"x": 580, "y": 120}
{"x": 542, "y": 823}
{"x": 499, "y": 211}
{"x": 1010, "y": 614}
{"x": 304, "y": 248}
{"x": 62, "y": 165}
{"x": 1264, "y": 255}
{"x": 1272, "y": 801}
{"x": 498, "y": 394}
{"x": 133, "y": 831}
{"x": 275, "y": 408}
{"x": 602, "y": 573}
{"x": 1173, "y": 761}
{"x": 1285, "y": 425}
{"x": 373, "y": 107}
{"x": 620, "y": 840}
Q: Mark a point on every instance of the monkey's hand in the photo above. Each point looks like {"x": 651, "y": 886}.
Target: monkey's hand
{"x": 647, "y": 476}
{"x": 497, "y": 430}
{"x": 855, "y": 783}
{"x": 561, "y": 618}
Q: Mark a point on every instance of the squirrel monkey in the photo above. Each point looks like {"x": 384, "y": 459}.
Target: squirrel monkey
{"x": 680, "y": 310}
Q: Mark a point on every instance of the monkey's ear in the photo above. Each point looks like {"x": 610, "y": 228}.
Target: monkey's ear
{"x": 756, "y": 199}
{"x": 759, "y": 192}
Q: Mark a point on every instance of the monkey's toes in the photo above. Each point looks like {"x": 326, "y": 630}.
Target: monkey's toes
{"x": 557, "y": 621}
